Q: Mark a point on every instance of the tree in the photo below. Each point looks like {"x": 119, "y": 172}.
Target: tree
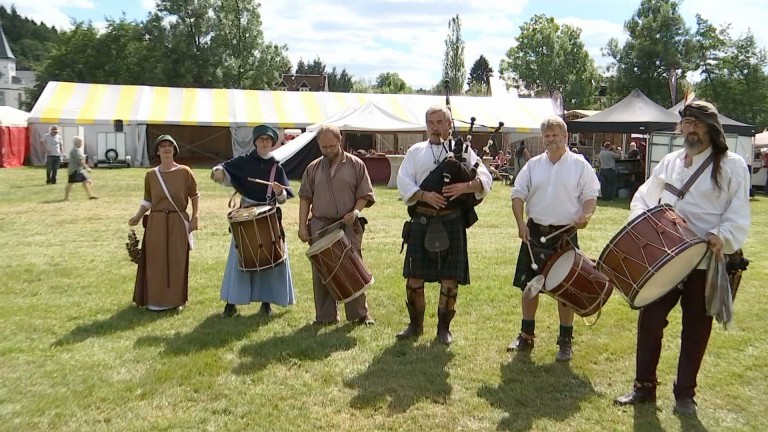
{"x": 391, "y": 83}
{"x": 549, "y": 59}
{"x": 339, "y": 82}
{"x": 190, "y": 60}
{"x": 453, "y": 61}
{"x": 362, "y": 85}
{"x": 316, "y": 67}
{"x": 733, "y": 73}
{"x": 659, "y": 46}
{"x": 30, "y": 42}
{"x": 479, "y": 80}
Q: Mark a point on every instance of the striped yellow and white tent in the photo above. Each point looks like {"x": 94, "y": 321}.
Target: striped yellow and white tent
{"x": 96, "y": 106}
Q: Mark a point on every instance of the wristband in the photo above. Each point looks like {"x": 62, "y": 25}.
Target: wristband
{"x": 356, "y": 213}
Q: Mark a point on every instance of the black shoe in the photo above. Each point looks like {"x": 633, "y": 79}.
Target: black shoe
{"x": 230, "y": 310}
{"x": 640, "y": 394}
{"x": 685, "y": 407}
{"x": 444, "y": 318}
{"x": 416, "y": 326}
{"x": 524, "y": 342}
{"x": 565, "y": 353}
{"x": 266, "y": 309}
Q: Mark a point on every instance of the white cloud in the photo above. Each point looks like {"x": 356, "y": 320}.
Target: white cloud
{"x": 742, "y": 15}
{"x": 48, "y": 11}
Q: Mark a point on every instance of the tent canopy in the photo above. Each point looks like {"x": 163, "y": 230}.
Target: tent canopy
{"x": 729, "y": 125}
{"x": 370, "y": 117}
{"x": 762, "y": 138}
{"x": 633, "y": 114}
{"x": 13, "y": 117}
{"x": 69, "y": 103}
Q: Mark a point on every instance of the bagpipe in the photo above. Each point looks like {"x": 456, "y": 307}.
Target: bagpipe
{"x": 454, "y": 169}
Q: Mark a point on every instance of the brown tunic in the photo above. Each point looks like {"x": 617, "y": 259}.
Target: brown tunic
{"x": 162, "y": 277}
{"x": 332, "y": 197}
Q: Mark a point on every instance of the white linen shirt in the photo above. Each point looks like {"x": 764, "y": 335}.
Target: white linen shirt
{"x": 554, "y": 193}
{"x": 420, "y": 160}
{"x": 707, "y": 210}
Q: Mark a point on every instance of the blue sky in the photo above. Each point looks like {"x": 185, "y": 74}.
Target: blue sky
{"x": 407, "y": 36}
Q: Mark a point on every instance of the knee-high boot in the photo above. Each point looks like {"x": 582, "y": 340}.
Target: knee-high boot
{"x": 445, "y": 313}
{"x": 416, "y": 306}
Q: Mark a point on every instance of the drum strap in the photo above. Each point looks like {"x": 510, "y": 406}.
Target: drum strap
{"x": 680, "y": 193}
{"x": 190, "y": 237}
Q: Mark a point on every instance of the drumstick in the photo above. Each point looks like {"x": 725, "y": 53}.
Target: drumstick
{"x": 328, "y": 227}
{"x": 255, "y": 180}
{"x": 530, "y": 252}
{"x": 544, "y": 239}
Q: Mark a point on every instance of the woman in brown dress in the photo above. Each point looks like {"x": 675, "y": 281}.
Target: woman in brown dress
{"x": 162, "y": 277}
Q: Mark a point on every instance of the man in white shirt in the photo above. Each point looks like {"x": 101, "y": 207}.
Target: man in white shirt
{"x": 717, "y": 208}
{"x": 437, "y": 215}
{"x": 557, "y": 188}
{"x": 53, "y": 148}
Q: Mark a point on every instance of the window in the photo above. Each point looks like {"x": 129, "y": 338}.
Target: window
{"x": 305, "y": 89}
{"x": 2, "y": 97}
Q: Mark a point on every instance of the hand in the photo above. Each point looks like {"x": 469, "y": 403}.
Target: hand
{"x": 303, "y": 234}
{"x": 434, "y": 199}
{"x": 217, "y": 174}
{"x": 278, "y": 188}
{"x": 193, "y": 224}
{"x": 349, "y": 218}
{"x": 456, "y": 189}
{"x": 134, "y": 220}
{"x": 523, "y": 233}
{"x": 716, "y": 244}
{"x": 581, "y": 222}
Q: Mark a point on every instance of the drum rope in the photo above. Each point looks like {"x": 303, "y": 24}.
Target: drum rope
{"x": 338, "y": 265}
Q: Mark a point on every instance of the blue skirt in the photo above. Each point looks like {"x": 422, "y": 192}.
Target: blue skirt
{"x": 273, "y": 285}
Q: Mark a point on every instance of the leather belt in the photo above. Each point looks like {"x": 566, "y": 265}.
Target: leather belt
{"x": 546, "y": 229}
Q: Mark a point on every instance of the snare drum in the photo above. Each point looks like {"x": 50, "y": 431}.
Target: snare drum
{"x": 653, "y": 253}
{"x": 256, "y": 232}
{"x": 340, "y": 267}
{"x": 572, "y": 278}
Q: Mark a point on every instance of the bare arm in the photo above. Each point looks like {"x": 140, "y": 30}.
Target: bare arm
{"x": 522, "y": 229}
{"x": 304, "y": 207}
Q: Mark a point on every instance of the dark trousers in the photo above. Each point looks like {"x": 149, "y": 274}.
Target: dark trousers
{"x": 608, "y": 183}
{"x": 697, "y": 327}
{"x": 51, "y": 168}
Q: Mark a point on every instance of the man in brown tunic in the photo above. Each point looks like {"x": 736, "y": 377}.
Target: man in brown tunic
{"x": 335, "y": 186}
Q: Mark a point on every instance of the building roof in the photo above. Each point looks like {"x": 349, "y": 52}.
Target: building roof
{"x": 5, "y": 49}
{"x": 293, "y": 82}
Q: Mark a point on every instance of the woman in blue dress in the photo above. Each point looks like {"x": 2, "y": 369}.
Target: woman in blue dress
{"x": 271, "y": 285}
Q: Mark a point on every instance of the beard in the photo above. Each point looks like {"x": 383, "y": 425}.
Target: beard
{"x": 692, "y": 141}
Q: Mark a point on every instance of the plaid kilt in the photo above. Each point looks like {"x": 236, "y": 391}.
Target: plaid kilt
{"x": 541, "y": 251}
{"x": 452, "y": 264}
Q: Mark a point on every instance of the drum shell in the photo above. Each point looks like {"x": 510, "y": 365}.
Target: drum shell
{"x": 584, "y": 289}
{"x": 635, "y": 259}
{"x": 340, "y": 266}
{"x": 256, "y": 232}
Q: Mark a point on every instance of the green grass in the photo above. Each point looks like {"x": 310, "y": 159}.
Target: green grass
{"x": 76, "y": 355}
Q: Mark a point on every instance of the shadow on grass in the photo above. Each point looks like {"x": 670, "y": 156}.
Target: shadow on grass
{"x": 52, "y": 201}
{"x": 646, "y": 418}
{"x": 529, "y": 391}
{"x": 123, "y": 320}
{"x": 308, "y": 343}
{"x": 403, "y": 375}
{"x": 691, "y": 424}
{"x": 212, "y": 333}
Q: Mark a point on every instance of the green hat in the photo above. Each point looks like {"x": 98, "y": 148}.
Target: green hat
{"x": 264, "y": 130}
{"x": 167, "y": 137}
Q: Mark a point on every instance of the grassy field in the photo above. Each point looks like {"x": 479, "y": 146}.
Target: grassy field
{"x": 76, "y": 355}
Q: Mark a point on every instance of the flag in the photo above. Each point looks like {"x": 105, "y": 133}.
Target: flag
{"x": 673, "y": 85}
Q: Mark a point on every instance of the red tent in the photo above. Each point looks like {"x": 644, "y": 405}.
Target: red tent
{"x": 14, "y": 137}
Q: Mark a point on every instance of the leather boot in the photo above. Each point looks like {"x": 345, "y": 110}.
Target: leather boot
{"x": 444, "y": 318}
{"x": 642, "y": 392}
{"x": 416, "y": 326}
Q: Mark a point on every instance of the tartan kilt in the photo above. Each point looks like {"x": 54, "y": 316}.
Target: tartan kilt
{"x": 453, "y": 264}
{"x": 541, "y": 252}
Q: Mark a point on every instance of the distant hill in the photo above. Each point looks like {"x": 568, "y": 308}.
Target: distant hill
{"x": 30, "y": 41}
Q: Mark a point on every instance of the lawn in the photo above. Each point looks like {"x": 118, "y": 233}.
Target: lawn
{"x": 76, "y": 355}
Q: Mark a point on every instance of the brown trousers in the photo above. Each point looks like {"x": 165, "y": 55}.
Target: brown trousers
{"x": 326, "y": 307}
{"x": 694, "y": 337}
